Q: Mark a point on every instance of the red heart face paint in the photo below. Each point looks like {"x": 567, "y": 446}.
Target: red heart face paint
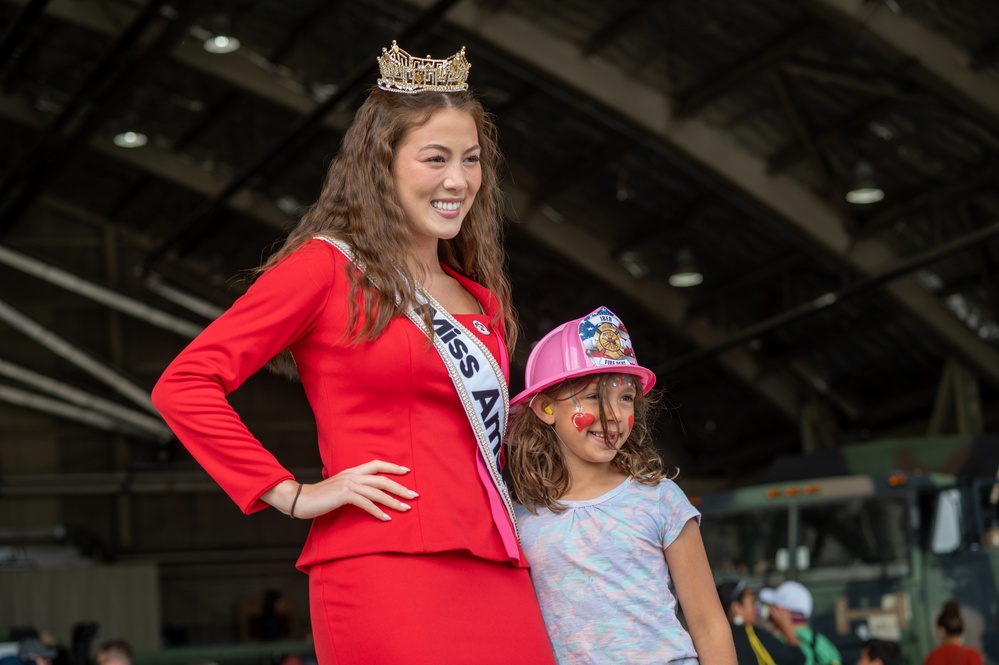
{"x": 631, "y": 422}
{"x": 582, "y": 420}
{"x": 577, "y": 418}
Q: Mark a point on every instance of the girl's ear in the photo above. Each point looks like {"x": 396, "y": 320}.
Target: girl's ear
{"x": 544, "y": 409}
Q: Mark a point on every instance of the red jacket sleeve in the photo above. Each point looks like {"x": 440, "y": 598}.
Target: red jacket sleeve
{"x": 278, "y": 309}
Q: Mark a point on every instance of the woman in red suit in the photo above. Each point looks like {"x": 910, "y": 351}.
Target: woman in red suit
{"x": 391, "y": 298}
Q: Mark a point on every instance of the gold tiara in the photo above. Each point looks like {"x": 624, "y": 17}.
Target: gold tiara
{"x": 401, "y": 72}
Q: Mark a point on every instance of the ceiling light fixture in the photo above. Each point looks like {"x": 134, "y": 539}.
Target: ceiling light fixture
{"x": 130, "y": 139}
{"x": 221, "y": 40}
{"x": 685, "y": 274}
{"x": 634, "y": 264}
{"x": 221, "y": 44}
{"x": 864, "y": 189}
{"x": 287, "y": 204}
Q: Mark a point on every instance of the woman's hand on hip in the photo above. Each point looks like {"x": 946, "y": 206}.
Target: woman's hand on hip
{"x": 360, "y": 486}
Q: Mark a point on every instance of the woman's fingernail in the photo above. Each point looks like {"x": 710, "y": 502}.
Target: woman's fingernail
{"x": 385, "y": 517}
{"x": 404, "y": 469}
{"x": 412, "y": 494}
{"x": 405, "y": 506}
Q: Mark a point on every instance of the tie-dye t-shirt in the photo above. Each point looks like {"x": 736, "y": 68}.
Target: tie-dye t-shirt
{"x": 601, "y": 576}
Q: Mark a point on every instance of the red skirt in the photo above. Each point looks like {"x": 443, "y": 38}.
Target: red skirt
{"x": 436, "y": 609}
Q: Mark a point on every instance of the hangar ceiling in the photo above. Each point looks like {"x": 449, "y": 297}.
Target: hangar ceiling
{"x": 636, "y": 132}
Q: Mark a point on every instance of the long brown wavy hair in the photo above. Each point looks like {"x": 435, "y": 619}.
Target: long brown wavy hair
{"x": 358, "y": 205}
{"x": 538, "y": 470}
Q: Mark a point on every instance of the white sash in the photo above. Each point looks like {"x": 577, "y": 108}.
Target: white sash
{"x": 476, "y": 375}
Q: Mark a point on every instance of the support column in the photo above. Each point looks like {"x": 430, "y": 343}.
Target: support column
{"x": 958, "y": 402}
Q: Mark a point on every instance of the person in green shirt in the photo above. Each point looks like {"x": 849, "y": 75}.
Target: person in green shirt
{"x": 796, "y": 599}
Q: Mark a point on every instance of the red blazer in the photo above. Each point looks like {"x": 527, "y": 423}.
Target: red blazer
{"x": 389, "y": 399}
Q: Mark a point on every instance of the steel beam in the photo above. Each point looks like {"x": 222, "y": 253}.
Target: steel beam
{"x": 936, "y": 62}
{"x": 17, "y": 30}
{"x": 624, "y": 22}
{"x": 692, "y": 101}
{"x": 167, "y": 166}
{"x": 280, "y": 148}
{"x": 652, "y": 230}
{"x": 987, "y": 56}
{"x": 76, "y": 402}
{"x": 648, "y": 109}
{"x": 900, "y": 270}
{"x": 590, "y": 253}
{"x": 570, "y": 174}
{"x": 983, "y": 178}
{"x": 81, "y": 414}
{"x": 704, "y": 145}
{"x": 98, "y": 369}
{"x": 98, "y": 293}
{"x": 248, "y": 72}
{"x": 777, "y": 387}
{"x": 792, "y": 153}
{"x": 90, "y": 105}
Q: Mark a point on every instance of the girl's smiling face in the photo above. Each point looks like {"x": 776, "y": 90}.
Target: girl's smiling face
{"x": 575, "y": 415}
{"x": 436, "y": 174}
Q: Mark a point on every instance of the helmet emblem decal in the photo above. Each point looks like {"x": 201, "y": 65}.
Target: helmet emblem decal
{"x": 605, "y": 339}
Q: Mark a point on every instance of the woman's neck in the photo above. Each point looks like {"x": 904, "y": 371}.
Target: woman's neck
{"x": 423, "y": 262}
{"x": 953, "y": 639}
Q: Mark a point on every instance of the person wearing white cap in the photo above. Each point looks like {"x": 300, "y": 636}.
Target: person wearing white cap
{"x": 754, "y": 645}
{"x": 614, "y": 544}
{"x": 794, "y": 598}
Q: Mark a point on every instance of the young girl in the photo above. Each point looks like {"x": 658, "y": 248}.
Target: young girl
{"x": 613, "y": 543}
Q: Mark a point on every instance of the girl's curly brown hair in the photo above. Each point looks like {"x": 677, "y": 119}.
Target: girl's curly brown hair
{"x": 538, "y": 470}
{"x": 358, "y": 205}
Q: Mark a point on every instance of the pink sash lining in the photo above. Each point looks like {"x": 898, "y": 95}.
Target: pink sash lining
{"x": 500, "y": 517}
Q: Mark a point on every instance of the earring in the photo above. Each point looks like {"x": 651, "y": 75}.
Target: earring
{"x": 548, "y": 410}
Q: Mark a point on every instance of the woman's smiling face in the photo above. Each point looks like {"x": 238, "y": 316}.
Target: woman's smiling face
{"x": 436, "y": 173}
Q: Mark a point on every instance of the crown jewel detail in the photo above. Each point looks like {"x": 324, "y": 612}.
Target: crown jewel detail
{"x": 402, "y": 72}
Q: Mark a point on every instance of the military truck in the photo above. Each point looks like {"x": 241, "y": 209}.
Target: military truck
{"x": 880, "y": 551}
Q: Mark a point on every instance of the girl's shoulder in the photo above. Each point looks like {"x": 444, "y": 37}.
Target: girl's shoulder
{"x": 665, "y": 489}
{"x": 671, "y": 501}
{"x": 662, "y": 496}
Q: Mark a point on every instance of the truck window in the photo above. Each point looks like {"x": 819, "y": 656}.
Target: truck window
{"x": 745, "y": 543}
{"x": 868, "y": 537}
